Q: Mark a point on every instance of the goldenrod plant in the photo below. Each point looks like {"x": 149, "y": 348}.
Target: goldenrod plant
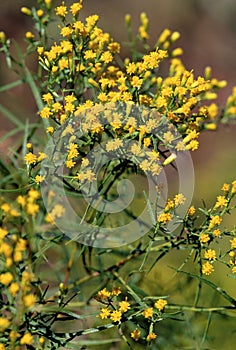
{"x": 88, "y": 218}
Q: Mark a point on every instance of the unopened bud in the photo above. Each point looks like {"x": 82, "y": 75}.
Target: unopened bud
{"x": 48, "y": 3}
{"x": 40, "y": 13}
{"x": 127, "y": 20}
{"x": 177, "y": 52}
{"x": 3, "y": 37}
{"x": 210, "y": 126}
{"x": 26, "y": 11}
{"x": 208, "y": 73}
{"x": 175, "y": 36}
{"x": 170, "y": 159}
{"x": 93, "y": 82}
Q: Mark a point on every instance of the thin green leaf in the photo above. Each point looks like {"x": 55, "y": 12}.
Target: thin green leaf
{"x": 97, "y": 342}
{"x": 34, "y": 88}
{"x": 16, "y": 130}
{"x": 10, "y": 116}
{"x": 10, "y": 85}
{"x": 222, "y": 292}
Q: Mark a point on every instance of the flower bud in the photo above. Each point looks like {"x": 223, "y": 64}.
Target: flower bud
{"x": 3, "y": 37}
{"x": 210, "y": 126}
{"x": 26, "y": 11}
{"x": 170, "y": 159}
{"x": 127, "y": 20}
{"x": 175, "y": 36}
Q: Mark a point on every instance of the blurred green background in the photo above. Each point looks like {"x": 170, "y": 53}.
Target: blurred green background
{"x": 208, "y": 37}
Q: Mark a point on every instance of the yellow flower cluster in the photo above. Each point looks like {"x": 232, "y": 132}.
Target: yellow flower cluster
{"x": 166, "y": 216}
{"x": 212, "y": 232}
{"x": 86, "y": 56}
{"x": 16, "y": 277}
{"x": 114, "y": 314}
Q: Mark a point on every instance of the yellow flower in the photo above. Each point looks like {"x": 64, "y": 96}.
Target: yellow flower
{"x": 216, "y": 233}
{"x": 70, "y": 163}
{"x": 75, "y": 8}
{"x": 40, "y": 13}
{"x": 105, "y": 313}
{"x": 164, "y": 218}
{"x": 21, "y": 200}
{"x": 215, "y": 220}
{"x": 21, "y": 245}
{"x": 14, "y": 288}
{"x": 66, "y": 31}
{"x": 6, "y": 249}
{"x": 146, "y": 142}
{"x": 4, "y": 324}
{"x": 124, "y": 305}
{"x": 39, "y": 179}
{"x": 6, "y": 278}
{"x": 27, "y": 339}
{"x": 58, "y": 211}
{"x": 179, "y": 199}
{"x": 5, "y": 207}
{"x": 30, "y": 158}
{"x": 193, "y": 145}
{"x": 207, "y": 268}
{"x": 136, "y": 81}
{"x": 106, "y": 57}
{"x": 103, "y": 294}
{"x": 225, "y": 187}
{"x": 3, "y": 232}
{"x": 63, "y": 63}
{"x": 210, "y": 254}
{"x": 135, "y": 334}
{"x": 234, "y": 186}
{"x": 57, "y": 107}
{"x": 114, "y": 47}
{"x": 113, "y": 145}
{"x": 191, "y": 211}
{"x": 29, "y": 300}
{"x": 151, "y": 336}
{"x": 131, "y": 68}
{"x": 221, "y": 202}
{"x": 116, "y": 291}
{"x": 48, "y": 98}
{"x": 41, "y": 340}
{"x": 61, "y": 10}
{"x": 160, "y": 304}
{"x": 32, "y": 209}
{"x": 40, "y": 50}
{"x": 233, "y": 243}
{"x": 147, "y": 313}
{"x": 34, "y": 194}
{"x": 45, "y": 113}
{"x": 204, "y": 237}
{"x": 92, "y": 20}
{"x": 116, "y": 316}
{"x": 169, "y": 205}
{"x": 29, "y": 35}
